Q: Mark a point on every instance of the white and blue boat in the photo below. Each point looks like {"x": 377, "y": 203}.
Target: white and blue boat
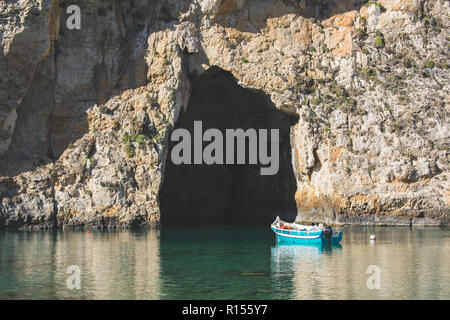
{"x": 299, "y": 234}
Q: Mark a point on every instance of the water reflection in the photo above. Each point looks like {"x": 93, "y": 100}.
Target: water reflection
{"x": 413, "y": 263}
{"x": 223, "y": 263}
{"x": 113, "y": 265}
{"x": 301, "y": 265}
{"x": 216, "y": 263}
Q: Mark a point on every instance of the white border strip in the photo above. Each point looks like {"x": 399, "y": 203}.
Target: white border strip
{"x": 298, "y": 237}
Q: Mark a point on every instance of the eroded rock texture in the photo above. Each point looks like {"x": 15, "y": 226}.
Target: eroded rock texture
{"x": 85, "y": 115}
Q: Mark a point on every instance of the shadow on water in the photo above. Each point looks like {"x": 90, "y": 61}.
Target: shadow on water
{"x": 216, "y": 262}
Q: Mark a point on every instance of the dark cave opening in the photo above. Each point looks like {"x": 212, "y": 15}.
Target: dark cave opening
{"x": 229, "y": 193}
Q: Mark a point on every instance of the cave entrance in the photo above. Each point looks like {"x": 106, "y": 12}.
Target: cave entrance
{"x": 229, "y": 193}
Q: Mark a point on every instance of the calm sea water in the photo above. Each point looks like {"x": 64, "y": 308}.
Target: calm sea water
{"x": 223, "y": 263}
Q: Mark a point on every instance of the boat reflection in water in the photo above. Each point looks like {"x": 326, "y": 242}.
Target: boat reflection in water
{"x": 305, "y": 269}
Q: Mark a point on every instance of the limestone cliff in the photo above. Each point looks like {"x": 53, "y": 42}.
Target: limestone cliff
{"x": 85, "y": 115}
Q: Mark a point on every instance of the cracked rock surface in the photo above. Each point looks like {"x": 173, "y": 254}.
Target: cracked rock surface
{"x": 85, "y": 115}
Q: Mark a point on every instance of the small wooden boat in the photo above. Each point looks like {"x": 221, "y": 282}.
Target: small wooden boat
{"x": 295, "y": 233}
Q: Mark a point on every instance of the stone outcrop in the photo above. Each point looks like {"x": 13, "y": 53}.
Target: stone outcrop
{"x": 85, "y": 115}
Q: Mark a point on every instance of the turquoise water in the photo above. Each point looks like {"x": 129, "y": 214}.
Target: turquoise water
{"x": 223, "y": 263}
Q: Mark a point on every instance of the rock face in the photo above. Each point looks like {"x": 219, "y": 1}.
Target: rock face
{"x": 86, "y": 115}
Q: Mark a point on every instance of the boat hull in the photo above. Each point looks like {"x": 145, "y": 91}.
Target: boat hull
{"x": 304, "y": 237}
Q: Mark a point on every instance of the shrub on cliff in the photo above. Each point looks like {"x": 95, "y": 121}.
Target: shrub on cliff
{"x": 379, "y": 42}
{"x": 429, "y": 64}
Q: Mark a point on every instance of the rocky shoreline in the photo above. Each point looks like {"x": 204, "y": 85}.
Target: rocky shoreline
{"x": 86, "y": 115}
